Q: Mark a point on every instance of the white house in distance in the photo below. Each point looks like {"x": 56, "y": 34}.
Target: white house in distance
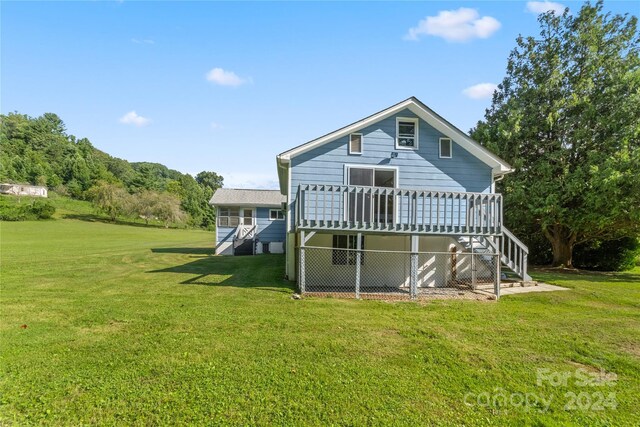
{"x": 249, "y": 222}
{"x": 401, "y": 201}
{"x": 23, "y": 190}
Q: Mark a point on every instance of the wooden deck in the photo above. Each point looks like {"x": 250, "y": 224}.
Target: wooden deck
{"x": 393, "y": 210}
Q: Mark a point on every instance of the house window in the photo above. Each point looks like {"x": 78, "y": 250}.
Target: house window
{"x": 355, "y": 143}
{"x": 276, "y": 214}
{"x": 228, "y": 217}
{"x": 407, "y": 133}
{"x": 344, "y": 250}
{"x": 367, "y": 208}
{"x": 445, "y": 148}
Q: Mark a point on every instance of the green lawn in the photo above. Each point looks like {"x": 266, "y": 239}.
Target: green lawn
{"x": 142, "y": 326}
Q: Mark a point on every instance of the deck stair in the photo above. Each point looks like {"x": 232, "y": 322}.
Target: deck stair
{"x": 244, "y": 242}
{"x": 513, "y": 252}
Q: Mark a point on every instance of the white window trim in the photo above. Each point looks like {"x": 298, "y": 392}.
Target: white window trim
{"x": 450, "y": 148}
{"x": 417, "y": 137}
{"x": 276, "y": 218}
{"x": 361, "y": 144}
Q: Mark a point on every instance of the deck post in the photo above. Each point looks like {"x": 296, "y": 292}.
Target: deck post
{"x": 498, "y": 281}
{"x": 301, "y": 275}
{"x": 358, "y": 262}
{"x": 415, "y": 242}
{"x": 473, "y": 265}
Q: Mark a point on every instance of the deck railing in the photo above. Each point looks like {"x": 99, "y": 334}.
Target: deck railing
{"x": 381, "y": 209}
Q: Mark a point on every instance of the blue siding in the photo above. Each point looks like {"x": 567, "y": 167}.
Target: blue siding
{"x": 417, "y": 169}
{"x": 421, "y": 168}
{"x": 224, "y": 234}
{"x": 269, "y": 231}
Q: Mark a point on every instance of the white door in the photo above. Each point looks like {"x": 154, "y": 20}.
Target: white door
{"x": 248, "y": 217}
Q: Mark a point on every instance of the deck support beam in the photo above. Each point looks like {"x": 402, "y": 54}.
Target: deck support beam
{"x": 415, "y": 243}
{"x": 308, "y": 236}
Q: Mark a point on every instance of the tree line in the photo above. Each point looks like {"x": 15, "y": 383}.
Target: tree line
{"x": 39, "y": 151}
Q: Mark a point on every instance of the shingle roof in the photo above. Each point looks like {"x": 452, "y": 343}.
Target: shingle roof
{"x": 245, "y": 197}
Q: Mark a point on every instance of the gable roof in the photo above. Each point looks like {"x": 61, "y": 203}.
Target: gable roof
{"x": 499, "y": 166}
{"x": 247, "y": 198}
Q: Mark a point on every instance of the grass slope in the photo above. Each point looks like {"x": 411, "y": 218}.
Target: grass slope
{"x": 142, "y": 326}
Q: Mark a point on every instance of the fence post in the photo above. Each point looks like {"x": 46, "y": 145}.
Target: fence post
{"x": 301, "y": 275}
{"x": 498, "y": 274}
{"x": 415, "y": 241}
{"x": 358, "y": 261}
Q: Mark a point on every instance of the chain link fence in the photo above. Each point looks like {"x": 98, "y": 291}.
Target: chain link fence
{"x": 395, "y": 275}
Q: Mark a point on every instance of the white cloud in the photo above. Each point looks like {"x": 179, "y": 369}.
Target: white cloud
{"x": 132, "y": 118}
{"x": 143, "y": 41}
{"x": 480, "y": 91}
{"x": 225, "y": 78}
{"x": 455, "y": 26}
{"x": 539, "y": 7}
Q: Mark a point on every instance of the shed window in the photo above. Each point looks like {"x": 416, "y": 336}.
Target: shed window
{"x": 407, "y": 133}
{"x": 275, "y": 214}
{"x": 344, "y": 250}
{"x": 228, "y": 217}
{"x": 445, "y": 148}
{"x": 355, "y": 143}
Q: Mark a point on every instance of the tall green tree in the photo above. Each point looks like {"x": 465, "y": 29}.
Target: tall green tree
{"x": 567, "y": 117}
{"x": 210, "y": 180}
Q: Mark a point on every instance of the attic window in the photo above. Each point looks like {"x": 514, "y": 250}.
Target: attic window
{"x": 355, "y": 143}
{"x": 445, "y": 148}
{"x": 407, "y": 133}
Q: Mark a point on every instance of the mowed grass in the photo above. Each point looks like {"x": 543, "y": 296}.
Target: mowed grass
{"x": 107, "y": 324}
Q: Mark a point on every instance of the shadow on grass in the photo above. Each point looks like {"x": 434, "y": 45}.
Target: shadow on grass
{"x": 186, "y": 251}
{"x": 263, "y": 272}
{"x": 588, "y": 275}
{"x": 105, "y": 220}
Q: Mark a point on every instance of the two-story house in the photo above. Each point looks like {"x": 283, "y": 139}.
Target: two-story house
{"x": 401, "y": 201}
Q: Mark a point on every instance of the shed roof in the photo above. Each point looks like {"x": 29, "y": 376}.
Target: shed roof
{"x": 247, "y": 197}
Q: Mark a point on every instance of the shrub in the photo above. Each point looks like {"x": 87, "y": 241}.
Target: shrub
{"x": 610, "y": 255}
{"x": 38, "y": 209}
{"x": 42, "y": 210}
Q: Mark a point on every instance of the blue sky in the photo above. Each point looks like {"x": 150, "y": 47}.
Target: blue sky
{"x": 226, "y": 86}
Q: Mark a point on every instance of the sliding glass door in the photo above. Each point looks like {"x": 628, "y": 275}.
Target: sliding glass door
{"x": 368, "y": 204}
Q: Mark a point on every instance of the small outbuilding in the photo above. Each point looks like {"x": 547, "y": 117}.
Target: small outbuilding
{"x": 249, "y": 222}
{"x": 23, "y": 190}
